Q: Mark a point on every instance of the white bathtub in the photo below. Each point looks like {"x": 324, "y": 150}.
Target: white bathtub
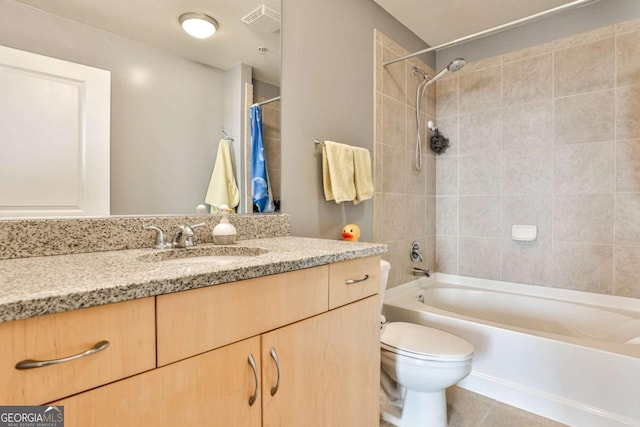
{"x": 570, "y": 356}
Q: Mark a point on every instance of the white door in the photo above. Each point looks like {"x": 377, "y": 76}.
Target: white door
{"x": 54, "y": 137}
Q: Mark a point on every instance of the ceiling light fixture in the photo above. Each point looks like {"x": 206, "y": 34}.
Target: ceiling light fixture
{"x": 198, "y": 25}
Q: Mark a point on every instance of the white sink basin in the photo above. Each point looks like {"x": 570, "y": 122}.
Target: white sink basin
{"x": 217, "y": 259}
{"x": 203, "y": 254}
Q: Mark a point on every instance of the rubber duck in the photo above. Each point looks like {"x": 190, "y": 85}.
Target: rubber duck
{"x": 351, "y": 233}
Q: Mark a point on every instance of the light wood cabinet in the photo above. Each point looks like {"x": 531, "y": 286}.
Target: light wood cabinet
{"x": 329, "y": 367}
{"x": 129, "y": 327}
{"x": 212, "y": 389}
{"x": 322, "y": 328}
{"x": 199, "y": 320}
{"x": 352, "y": 280}
{"x": 326, "y": 376}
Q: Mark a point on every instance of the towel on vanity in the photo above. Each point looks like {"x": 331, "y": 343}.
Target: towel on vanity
{"x": 338, "y": 172}
{"x": 223, "y": 189}
{"x": 362, "y": 174}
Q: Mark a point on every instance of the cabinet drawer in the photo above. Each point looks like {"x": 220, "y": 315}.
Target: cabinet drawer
{"x": 200, "y": 320}
{"x": 353, "y": 280}
{"x": 129, "y": 327}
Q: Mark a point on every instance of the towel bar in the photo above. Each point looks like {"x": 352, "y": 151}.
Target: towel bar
{"x": 318, "y": 142}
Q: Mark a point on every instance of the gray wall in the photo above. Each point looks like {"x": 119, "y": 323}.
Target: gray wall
{"x": 327, "y": 91}
{"x": 166, "y": 111}
{"x": 234, "y": 117}
{"x": 600, "y": 14}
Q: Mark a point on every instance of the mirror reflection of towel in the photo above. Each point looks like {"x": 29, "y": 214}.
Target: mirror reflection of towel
{"x": 223, "y": 189}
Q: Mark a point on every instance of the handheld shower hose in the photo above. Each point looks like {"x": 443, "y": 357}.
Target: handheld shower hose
{"x": 453, "y": 66}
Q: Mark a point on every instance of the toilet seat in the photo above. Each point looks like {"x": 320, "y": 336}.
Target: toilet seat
{"x": 422, "y": 342}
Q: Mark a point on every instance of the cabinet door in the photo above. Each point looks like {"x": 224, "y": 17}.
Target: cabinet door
{"x": 329, "y": 369}
{"x": 212, "y": 389}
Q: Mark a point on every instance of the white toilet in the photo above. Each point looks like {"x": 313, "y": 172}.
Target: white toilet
{"x": 418, "y": 364}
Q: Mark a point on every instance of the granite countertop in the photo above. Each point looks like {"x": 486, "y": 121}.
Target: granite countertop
{"x": 32, "y": 287}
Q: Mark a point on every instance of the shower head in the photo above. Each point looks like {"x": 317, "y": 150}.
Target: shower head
{"x": 453, "y": 66}
{"x": 456, "y": 64}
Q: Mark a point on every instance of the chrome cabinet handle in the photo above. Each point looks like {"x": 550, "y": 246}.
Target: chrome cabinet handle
{"x": 31, "y": 364}
{"x": 274, "y": 355}
{"x": 353, "y": 281}
{"x": 253, "y": 397}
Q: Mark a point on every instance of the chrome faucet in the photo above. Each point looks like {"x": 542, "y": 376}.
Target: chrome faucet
{"x": 417, "y": 271}
{"x": 185, "y": 237}
{"x": 161, "y": 239}
{"x": 416, "y": 255}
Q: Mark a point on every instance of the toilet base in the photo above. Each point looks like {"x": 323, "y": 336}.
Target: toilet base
{"x": 419, "y": 410}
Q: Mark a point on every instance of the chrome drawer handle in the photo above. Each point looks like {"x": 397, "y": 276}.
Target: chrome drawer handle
{"x": 31, "y": 364}
{"x": 253, "y": 397}
{"x": 274, "y": 355}
{"x": 352, "y": 281}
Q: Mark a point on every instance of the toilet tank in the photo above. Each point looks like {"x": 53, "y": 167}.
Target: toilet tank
{"x": 384, "y": 275}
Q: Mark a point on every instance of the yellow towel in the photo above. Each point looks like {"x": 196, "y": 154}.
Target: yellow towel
{"x": 338, "y": 172}
{"x": 362, "y": 174}
{"x": 222, "y": 186}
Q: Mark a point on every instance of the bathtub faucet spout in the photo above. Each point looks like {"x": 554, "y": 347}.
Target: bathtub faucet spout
{"x": 417, "y": 271}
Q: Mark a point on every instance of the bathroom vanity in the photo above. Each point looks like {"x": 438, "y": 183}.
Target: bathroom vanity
{"x": 289, "y": 337}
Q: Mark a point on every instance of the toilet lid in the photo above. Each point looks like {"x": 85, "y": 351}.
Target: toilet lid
{"x": 422, "y": 342}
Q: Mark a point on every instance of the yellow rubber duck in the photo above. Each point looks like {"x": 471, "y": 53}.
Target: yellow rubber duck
{"x": 351, "y": 233}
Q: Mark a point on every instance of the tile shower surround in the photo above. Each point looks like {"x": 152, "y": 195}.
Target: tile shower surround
{"x": 548, "y": 135}
{"x": 403, "y": 210}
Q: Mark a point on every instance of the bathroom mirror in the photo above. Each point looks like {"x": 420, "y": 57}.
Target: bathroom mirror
{"x": 172, "y": 96}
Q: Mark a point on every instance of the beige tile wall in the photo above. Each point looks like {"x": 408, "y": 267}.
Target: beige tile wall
{"x": 404, "y": 201}
{"x": 548, "y": 136}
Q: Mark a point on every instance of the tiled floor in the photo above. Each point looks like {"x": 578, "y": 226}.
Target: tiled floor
{"x": 467, "y": 409}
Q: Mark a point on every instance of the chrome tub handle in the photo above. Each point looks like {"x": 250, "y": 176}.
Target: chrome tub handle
{"x": 353, "y": 281}
{"x": 253, "y": 397}
{"x": 31, "y": 364}
{"x": 274, "y": 355}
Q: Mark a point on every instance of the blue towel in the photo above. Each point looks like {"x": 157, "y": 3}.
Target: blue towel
{"x": 260, "y": 191}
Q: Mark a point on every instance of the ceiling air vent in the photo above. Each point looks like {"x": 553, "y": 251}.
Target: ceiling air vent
{"x": 263, "y": 20}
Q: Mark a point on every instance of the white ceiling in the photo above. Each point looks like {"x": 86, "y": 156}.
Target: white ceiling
{"x": 441, "y": 21}
{"x": 155, "y": 22}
